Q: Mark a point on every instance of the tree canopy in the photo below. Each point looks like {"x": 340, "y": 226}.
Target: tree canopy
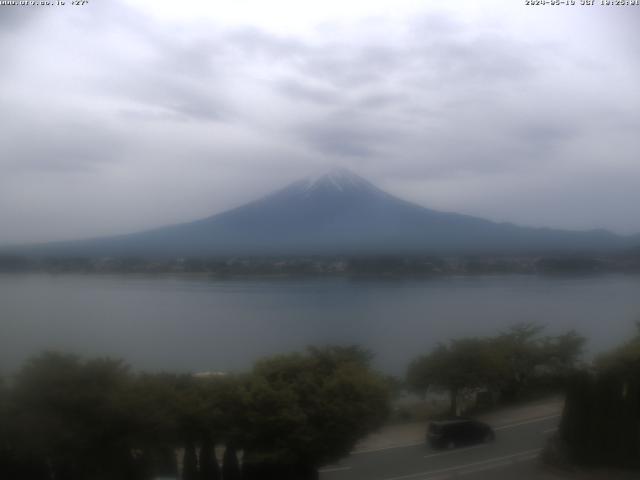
{"x": 312, "y": 408}
{"x": 504, "y": 363}
{"x": 67, "y": 418}
{"x": 600, "y": 425}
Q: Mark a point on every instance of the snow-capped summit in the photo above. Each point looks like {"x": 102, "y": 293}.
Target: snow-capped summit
{"x": 338, "y": 178}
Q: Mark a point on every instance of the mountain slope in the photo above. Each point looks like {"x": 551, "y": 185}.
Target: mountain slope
{"x": 338, "y": 213}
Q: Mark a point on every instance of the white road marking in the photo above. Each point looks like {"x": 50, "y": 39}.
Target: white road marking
{"x": 502, "y": 463}
{"x": 498, "y": 461}
{"x": 484, "y": 468}
{"x": 391, "y": 447}
{"x": 334, "y": 469}
{"x": 550, "y": 430}
{"x": 527, "y": 422}
{"x": 451, "y": 452}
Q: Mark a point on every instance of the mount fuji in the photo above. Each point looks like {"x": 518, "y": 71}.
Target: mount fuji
{"x": 338, "y": 213}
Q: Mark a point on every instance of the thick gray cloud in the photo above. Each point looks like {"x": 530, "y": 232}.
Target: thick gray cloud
{"x": 139, "y": 114}
{"x": 346, "y": 134}
{"x": 310, "y": 93}
{"x": 73, "y": 148}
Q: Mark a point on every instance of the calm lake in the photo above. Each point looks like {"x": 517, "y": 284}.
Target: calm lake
{"x": 201, "y": 324}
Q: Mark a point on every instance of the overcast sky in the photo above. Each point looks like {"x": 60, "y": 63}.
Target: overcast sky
{"x": 123, "y": 115}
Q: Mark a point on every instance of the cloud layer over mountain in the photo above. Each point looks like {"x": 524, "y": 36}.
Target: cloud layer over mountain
{"x": 120, "y": 116}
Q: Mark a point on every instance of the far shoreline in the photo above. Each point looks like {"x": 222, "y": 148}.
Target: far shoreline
{"x": 360, "y": 266}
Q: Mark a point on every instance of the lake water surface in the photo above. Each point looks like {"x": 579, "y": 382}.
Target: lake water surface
{"x": 201, "y": 324}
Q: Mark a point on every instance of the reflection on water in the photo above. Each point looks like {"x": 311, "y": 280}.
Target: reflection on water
{"x": 194, "y": 323}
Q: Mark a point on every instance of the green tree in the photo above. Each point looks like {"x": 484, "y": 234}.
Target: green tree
{"x": 524, "y": 353}
{"x": 520, "y": 352}
{"x": 18, "y": 458}
{"x": 305, "y": 410}
{"x": 562, "y": 353}
{"x": 209, "y": 469}
{"x": 460, "y": 366}
{"x": 190, "y": 462}
{"x": 68, "y": 418}
{"x": 73, "y": 415}
{"x": 599, "y": 425}
{"x": 230, "y": 465}
{"x": 6, "y": 448}
{"x": 506, "y": 363}
{"x": 624, "y": 359}
{"x": 223, "y": 410}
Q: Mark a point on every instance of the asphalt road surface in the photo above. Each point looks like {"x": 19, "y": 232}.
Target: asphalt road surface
{"x": 513, "y": 455}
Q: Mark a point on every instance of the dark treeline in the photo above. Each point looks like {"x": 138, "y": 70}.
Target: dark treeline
{"x": 65, "y": 418}
{"x": 504, "y": 368}
{"x": 601, "y": 422}
{"x": 342, "y": 265}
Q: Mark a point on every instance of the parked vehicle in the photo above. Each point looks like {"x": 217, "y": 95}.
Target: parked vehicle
{"x": 457, "y": 432}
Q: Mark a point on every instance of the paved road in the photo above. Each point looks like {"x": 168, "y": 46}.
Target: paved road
{"x": 512, "y": 456}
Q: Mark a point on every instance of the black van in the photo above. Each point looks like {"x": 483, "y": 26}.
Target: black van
{"x": 457, "y": 432}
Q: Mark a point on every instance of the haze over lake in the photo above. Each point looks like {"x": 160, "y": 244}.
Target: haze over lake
{"x": 200, "y": 324}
